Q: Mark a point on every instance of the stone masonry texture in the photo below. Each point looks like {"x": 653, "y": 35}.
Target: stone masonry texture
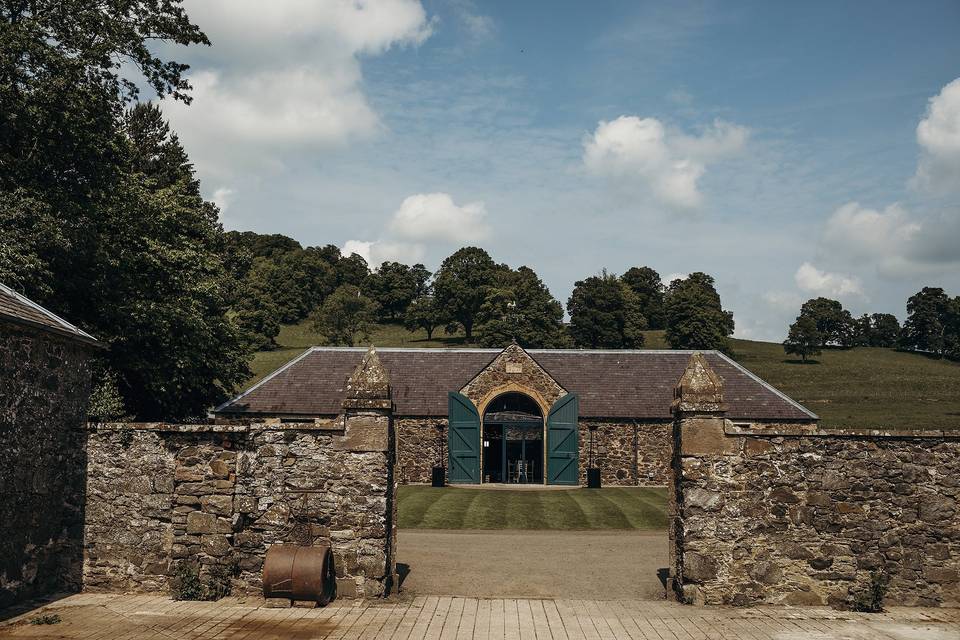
{"x": 159, "y": 495}
{"x": 44, "y": 389}
{"x": 793, "y": 515}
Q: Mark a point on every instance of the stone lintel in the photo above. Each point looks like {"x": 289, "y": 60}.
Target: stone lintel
{"x": 368, "y": 403}
{"x": 699, "y": 390}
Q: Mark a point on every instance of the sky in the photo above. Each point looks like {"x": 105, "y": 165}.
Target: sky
{"x": 790, "y": 150}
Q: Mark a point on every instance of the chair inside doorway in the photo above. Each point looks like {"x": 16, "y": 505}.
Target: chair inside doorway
{"x": 513, "y": 440}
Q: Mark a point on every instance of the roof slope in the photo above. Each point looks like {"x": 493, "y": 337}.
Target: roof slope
{"x": 18, "y": 308}
{"x": 611, "y": 384}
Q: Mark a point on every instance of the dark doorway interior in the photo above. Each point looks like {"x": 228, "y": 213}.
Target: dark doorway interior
{"x": 513, "y": 440}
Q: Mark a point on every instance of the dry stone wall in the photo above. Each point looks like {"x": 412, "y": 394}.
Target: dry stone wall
{"x": 797, "y": 515}
{"x": 627, "y": 454}
{"x": 159, "y": 495}
{"x": 44, "y": 389}
{"x": 421, "y": 444}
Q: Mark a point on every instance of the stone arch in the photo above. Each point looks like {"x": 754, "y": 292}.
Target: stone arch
{"x": 513, "y": 370}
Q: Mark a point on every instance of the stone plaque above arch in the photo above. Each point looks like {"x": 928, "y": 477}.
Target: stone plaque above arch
{"x": 513, "y": 370}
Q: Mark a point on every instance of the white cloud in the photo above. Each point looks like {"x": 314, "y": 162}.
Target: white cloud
{"x": 938, "y": 135}
{"x": 377, "y": 252}
{"x": 434, "y": 216}
{"x": 668, "y": 163}
{"x": 222, "y": 198}
{"x": 895, "y": 241}
{"x": 822, "y": 283}
{"x": 783, "y": 300}
{"x": 285, "y": 74}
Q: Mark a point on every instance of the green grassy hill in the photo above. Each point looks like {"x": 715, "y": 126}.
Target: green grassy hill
{"x": 862, "y": 387}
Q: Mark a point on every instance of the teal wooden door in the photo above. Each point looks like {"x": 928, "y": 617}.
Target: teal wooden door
{"x": 563, "y": 466}
{"x": 463, "y": 440}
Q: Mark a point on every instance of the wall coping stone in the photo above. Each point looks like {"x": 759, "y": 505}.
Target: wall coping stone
{"x": 317, "y": 425}
{"x": 800, "y": 430}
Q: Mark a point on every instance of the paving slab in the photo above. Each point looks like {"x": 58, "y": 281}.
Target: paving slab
{"x": 126, "y": 617}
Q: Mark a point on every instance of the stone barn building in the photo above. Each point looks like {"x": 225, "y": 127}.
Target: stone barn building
{"x": 540, "y": 416}
{"x": 44, "y": 390}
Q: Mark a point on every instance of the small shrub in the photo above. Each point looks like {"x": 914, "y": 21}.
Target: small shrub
{"x": 46, "y": 618}
{"x": 870, "y": 600}
{"x": 186, "y": 583}
{"x": 218, "y": 583}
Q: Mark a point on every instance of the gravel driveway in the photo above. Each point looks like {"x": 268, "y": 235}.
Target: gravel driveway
{"x": 595, "y": 565}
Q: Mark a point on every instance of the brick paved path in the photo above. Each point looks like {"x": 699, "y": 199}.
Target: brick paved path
{"x": 118, "y": 617}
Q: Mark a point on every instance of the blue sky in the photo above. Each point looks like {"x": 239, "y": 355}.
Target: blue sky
{"x": 789, "y": 149}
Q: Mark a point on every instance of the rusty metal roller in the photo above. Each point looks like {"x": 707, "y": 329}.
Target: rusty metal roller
{"x": 299, "y": 573}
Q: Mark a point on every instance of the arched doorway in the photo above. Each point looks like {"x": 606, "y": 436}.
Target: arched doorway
{"x": 513, "y": 440}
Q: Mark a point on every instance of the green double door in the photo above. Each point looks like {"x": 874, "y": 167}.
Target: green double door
{"x": 464, "y": 434}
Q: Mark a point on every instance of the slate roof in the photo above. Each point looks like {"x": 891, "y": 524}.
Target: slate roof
{"x": 611, "y": 384}
{"x": 15, "y": 307}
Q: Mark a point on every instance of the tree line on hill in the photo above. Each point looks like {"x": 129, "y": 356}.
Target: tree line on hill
{"x": 932, "y": 326}
{"x": 490, "y": 303}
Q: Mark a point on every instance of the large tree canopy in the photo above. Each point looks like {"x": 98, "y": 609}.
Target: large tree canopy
{"x": 518, "y": 306}
{"x": 695, "y": 318}
{"x": 646, "y": 284}
{"x": 394, "y": 286}
{"x": 834, "y": 323}
{"x": 927, "y": 315}
{"x": 107, "y": 224}
{"x": 605, "y": 314}
{"x": 461, "y": 285}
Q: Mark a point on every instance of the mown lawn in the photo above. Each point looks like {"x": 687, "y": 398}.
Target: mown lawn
{"x": 462, "y": 508}
{"x": 862, "y": 387}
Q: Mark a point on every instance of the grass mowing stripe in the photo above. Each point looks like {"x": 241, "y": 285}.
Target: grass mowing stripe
{"x": 598, "y": 509}
{"x": 564, "y": 513}
{"x": 638, "y": 509}
{"x": 485, "y": 512}
{"x": 523, "y": 510}
{"x": 412, "y": 506}
{"x": 448, "y": 511}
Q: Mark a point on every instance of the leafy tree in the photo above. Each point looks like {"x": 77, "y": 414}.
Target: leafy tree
{"x": 925, "y": 325}
{"x": 461, "y": 285}
{"x": 296, "y": 282}
{"x": 695, "y": 318}
{"x": 884, "y": 330}
{"x": 605, "y": 314}
{"x": 109, "y": 226}
{"x": 258, "y": 319}
{"x": 519, "y": 307}
{"x": 352, "y": 270}
{"x": 834, "y": 323}
{"x": 267, "y": 245}
{"x": 804, "y": 339}
{"x": 394, "y": 286}
{"x": 862, "y": 333}
{"x": 646, "y": 284}
{"x": 951, "y": 329}
{"x": 345, "y": 316}
{"x": 423, "y": 313}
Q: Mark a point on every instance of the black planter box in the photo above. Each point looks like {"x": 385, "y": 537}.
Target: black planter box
{"x": 593, "y": 478}
{"x": 439, "y": 477}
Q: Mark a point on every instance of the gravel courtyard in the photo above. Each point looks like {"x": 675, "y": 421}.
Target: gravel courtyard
{"x": 596, "y": 565}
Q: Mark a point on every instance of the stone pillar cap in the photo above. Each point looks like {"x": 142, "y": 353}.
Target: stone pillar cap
{"x": 700, "y": 389}
{"x": 369, "y": 380}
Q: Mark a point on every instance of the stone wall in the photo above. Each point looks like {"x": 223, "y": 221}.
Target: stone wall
{"x": 797, "y": 515}
{"x": 627, "y": 453}
{"x": 421, "y": 443}
{"x": 44, "y": 389}
{"x": 222, "y": 494}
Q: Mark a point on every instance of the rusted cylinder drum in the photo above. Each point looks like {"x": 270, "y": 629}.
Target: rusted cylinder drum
{"x": 299, "y": 573}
